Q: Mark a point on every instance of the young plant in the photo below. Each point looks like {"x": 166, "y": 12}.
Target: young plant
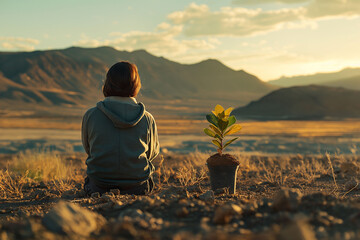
{"x": 221, "y": 125}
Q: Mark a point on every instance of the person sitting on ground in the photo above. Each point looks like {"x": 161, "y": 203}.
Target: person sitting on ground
{"x": 120, "y": 137}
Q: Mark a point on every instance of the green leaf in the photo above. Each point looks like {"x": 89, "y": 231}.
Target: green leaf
{"x": 228, "y": 111}
{"x": 218, "y": 110}
{"x": 234, "y": 129}
{"x": 215, "y": 129}
{"x": 212, "y": 119}
{"x": 209, "y": 132}
{"x": 221, "y": 115}
{"x": 232, "y": 120}
{"x": 216, "y": 143}
{"x": 229, "y": 142}
{"x": 218, "y": 137}
{"x": 222, "y": 125}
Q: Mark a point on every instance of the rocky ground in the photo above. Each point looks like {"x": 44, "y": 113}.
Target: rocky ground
{"x": 278, "y": 197}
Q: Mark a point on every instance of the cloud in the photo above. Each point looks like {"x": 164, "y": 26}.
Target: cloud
{"x": 252, "y": 2}
{"x": 161, "y": 42}
{"x": 18, "y": 43}
{"x": 333, "y": 8}
{"x": 316, "y": 8}
{"x": 199, "y": 20}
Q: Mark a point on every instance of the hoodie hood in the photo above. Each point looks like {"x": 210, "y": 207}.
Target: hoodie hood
{"x": 123, "y": 113}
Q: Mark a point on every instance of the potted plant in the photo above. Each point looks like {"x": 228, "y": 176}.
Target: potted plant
{"x": 222, "y": 167}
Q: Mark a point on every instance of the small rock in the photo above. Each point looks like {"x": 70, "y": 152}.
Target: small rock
{"x": 355, "y": 218}
{"x": 132, "y": 213}
{"x": 69, "y": 219}
{"x": 184, "y": 235}
{"x": 108, "y": 196}
{"x": 204, "y": 224}
{"x": 250, "y": 209}
{"x": 337, "y": 170}
{"x": 352, "y": 184}
{"x": 125, "y": 229}
{"x": 5, "y": 236}
{"x": 80, "y": 194}
{"x": 69, "y": 194}
{"x": 194, "y": 188}
{"x": 224, "y": 214}
{"x": 349, "y": 168}
{"x": 220, "y": 191}
{"x": 141, "y": 219}
{"x": 39, "y": 194}
{"x": 23, "y": 229}
{"x": 95, "y": 195}
{"x": 208, "y": 197}
{"x": 110, "y": 205}
{"x": 297, "y": 230}
{"x": 287, "y": 200}
{"x": 115, "y": 191}
{"x": 182, "y": 212}
{"x": 321, "y": 232}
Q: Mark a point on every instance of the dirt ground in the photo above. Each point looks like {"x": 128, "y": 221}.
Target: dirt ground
{"x": 277, "y": 197}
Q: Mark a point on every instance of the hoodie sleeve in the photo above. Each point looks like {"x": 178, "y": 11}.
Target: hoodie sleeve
{"x": 154, "y": 146}
{"x": 84, "y": 134}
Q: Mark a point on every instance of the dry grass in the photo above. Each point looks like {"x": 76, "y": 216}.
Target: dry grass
{"x": 31, "y": 167}
{"x": 178, "y": 170}
{"x": 42, "y": 166}
{"x": 11, "y": 184}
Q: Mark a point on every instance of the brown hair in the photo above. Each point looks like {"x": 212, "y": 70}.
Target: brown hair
{"x": 122, "y": 80}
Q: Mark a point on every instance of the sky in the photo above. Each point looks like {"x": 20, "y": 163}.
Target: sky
{"x": 268, "y": 38}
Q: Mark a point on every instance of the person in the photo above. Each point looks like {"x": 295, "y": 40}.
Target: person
{"x": 120, "y": 137}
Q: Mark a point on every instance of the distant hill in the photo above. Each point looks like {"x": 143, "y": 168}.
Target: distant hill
{"x": 350, "y": 83}
{"x": 73, "y": 77}
{"x": 347, "y": 78}
{"x": 304, "y": 102}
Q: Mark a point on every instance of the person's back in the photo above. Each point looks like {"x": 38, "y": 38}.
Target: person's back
{"x": 120, "y": 136}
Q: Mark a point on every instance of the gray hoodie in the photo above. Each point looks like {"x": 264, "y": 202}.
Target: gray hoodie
{"x": 121, "y": 140}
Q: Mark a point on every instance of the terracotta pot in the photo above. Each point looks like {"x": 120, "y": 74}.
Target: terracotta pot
{"x": 223, "y": 176}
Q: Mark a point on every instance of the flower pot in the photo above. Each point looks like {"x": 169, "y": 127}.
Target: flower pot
{"x": 223, "y": 176}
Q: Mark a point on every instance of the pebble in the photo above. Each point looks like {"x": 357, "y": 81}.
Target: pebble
{"x": 297, "y": 230}
{"x": 115, "y": 191}
{"x": 208, "y": 197}
{"x": 108, "y": 196}
{"x": 349, "y": 168}
{"x": 95, "y": 195}
{"x": 224, "y": 214}
{"x": 287, "y": 200}
{"x": 182, "y": 212}
{"x": 220, "y": 191}
{"x": 352, "y": 184}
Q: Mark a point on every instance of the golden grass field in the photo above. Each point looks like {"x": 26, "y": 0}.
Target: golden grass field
{"x": 191, "y": 126}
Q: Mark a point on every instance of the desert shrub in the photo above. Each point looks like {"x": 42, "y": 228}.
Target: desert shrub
{"x": 41, "y": 166}
{"x": 11, "y": 184}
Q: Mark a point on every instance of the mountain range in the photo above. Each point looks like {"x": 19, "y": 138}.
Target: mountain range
{"x": 304, "y": 102}
{"x": 73, "y": 77}
{"x": 67, "y": 81}
{"x": 347, "y": 78}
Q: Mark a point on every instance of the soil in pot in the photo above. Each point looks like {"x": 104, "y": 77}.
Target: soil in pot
{"x": 223, "y": 169}
{"x": 222, "y": 160}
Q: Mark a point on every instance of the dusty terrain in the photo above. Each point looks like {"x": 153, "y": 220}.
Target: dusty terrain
{"x": 278, "y": 197}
